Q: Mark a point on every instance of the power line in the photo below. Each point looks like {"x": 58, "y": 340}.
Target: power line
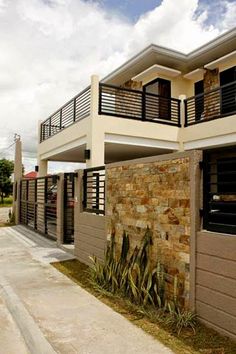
{"x": 8, "y": 147}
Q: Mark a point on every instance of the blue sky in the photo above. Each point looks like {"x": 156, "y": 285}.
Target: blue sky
{"x": 133, "y": 9}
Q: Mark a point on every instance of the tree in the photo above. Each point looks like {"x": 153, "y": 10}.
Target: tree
{"x": 6, "y": 169}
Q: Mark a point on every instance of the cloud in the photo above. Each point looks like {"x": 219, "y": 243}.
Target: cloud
{"x": 50, "y": 48}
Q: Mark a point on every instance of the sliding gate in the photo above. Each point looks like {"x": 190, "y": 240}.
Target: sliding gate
{"x": 69, "y": 202}
{"x": 38, "y": 204}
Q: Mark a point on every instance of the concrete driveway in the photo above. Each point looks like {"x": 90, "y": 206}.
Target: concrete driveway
{"x": 4, "y": 214}
{"x": 42, "y": 311}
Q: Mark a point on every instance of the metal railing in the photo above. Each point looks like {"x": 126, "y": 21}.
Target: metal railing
{"x": 94, "y": 190}
{"x": 74, "y": 110}
{"x": 217, "y": 103}
{"x": 138, "y": 105}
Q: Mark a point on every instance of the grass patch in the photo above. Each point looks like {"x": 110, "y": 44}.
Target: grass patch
{"x": 204, "y": 341}
{"x": 7, "y": 202}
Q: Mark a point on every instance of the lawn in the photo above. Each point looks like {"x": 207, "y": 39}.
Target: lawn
{"x": 7, "y": 202}
{"x": 204, "y": 341}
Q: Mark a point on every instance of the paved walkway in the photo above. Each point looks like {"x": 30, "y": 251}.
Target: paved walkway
{"x": 42, "y": 311}
{"x": 4, "y": 214}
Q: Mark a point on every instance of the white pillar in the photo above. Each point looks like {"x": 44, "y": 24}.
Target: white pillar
{"x": 43, "y": 168}
{"x": 18, "y": 159}
{"x": 96, "y": 132}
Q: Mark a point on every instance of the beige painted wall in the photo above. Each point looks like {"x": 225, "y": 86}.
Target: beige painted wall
{"x": 216, "y": 281}
{"x": 66, "y": 139}
{"x": 90, "y": 237}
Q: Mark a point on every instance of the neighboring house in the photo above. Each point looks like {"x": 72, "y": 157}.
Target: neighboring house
{"x": 31, "y": 174}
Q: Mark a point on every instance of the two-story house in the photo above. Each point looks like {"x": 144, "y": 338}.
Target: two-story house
{"x": 157, "y": 102}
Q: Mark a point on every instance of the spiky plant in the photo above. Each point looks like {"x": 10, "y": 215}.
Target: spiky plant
{"x": 132, "y": 276}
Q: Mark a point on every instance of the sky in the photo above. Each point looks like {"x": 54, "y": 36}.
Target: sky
{"x": 50, "y": 48}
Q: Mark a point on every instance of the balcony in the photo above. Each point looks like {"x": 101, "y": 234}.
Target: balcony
{"x": 73, "y": 111}
{"x": 117, "y": 102}
{"x": 138, "y": 105}
{"x": 214, "y": 104}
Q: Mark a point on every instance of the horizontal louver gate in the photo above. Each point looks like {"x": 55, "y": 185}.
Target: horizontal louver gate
{"x": 220, "y": 190}
{"x": 69, "y": 193}
{"x": 38, "y": 204}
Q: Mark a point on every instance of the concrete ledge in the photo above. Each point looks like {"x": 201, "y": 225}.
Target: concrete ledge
{"x": 33, "y": 337}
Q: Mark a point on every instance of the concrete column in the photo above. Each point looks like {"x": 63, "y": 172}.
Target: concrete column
{"x": 182, "y": 121}
{"x": 195, "y": 204}
{"x": 60, "y": 209}
{"x": 16, "y": 204}
{"x": 17, "y": 177}
{"x": 43, "y": 168}
{"x": 96, "y": 132}
{"x": 18, "y": 159}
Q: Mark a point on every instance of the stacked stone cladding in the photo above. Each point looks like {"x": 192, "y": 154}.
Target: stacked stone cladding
{"x": 211, "y": 81}
{"x": 154, "y": 195}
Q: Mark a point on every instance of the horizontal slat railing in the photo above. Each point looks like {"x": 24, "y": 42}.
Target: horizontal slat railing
{"x": 217, "y": 103}
{"x": 74, "y": 110}
{"x": 138, "y": 105}
{"x": 94, "y": 190}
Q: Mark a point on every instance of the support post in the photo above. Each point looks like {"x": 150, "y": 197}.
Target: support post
{"x": 43, "y": 168}
{"x": 17, "y": 177}
{"x": 60, "y": 209}
{"x": 96, "y": 132}
{"x": 78, "y": 207}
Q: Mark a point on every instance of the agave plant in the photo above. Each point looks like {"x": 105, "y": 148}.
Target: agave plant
{"x": 132, "y": 276}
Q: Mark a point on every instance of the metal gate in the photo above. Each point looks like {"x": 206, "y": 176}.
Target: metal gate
{"x": 69, "y": 194}
{"x": 38, "y": 204}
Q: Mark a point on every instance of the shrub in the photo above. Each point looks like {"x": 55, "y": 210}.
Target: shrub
{"x": 133, "y": 276}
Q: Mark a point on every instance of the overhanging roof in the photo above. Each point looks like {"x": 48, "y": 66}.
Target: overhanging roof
{"x": 154, "y": 54}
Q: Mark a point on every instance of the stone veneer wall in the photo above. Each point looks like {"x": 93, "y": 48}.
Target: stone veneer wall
{"x": 211, "y": 81}
{"x": 157, "y": 195}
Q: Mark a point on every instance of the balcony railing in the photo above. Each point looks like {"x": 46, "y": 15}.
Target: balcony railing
{"x": 217, "y": 103}
{"x": 74, "y": 110}
{"x": 138, "y": 105}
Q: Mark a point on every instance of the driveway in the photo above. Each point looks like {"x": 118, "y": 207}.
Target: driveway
{"x": 4, "y": 214}
{"x": 48, "y": 313}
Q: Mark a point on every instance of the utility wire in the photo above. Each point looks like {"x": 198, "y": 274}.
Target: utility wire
{"x": 8, "y": 147}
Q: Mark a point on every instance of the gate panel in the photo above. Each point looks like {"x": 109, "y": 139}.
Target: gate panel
{"x": 31, "y": 203}
{"x": 40, "y": 224}
{"x": 51, "y": 206}
{"x": 23, "y": 202}
{"x": 69, "y": 194}
{"x": 38, "y": 204}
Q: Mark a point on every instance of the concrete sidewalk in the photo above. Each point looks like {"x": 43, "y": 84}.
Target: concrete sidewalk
{"x": 51, "y": 313}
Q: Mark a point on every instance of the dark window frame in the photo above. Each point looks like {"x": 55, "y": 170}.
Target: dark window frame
{"x": 164, "y": 101}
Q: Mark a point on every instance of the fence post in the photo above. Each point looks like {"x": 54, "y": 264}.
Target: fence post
{"x": 195, "y": 203}
{"x": 60, "y": 209}
{"x": 78, "y": 207}
{"x": 17, "y": 197}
